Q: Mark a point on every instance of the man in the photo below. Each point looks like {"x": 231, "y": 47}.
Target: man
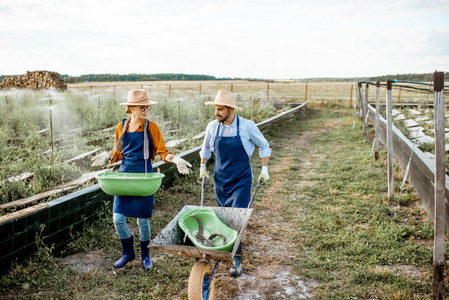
{"x": 233, "y": 140}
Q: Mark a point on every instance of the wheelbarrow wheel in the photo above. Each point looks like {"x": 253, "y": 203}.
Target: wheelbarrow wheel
{"x": 201, "y": 285}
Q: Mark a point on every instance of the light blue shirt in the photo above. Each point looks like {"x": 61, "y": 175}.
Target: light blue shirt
{"x": 249, "y": 134}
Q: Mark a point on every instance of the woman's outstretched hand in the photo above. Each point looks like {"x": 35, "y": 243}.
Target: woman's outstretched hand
{"x": 181, "y": 164}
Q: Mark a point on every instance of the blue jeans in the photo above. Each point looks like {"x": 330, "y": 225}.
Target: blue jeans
{"x": 123, "y": 231}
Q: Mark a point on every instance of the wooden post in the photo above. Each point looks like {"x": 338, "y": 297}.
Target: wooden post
{"x": 360, "y": 97}
{"x": 52, "y": 140}
{"x": 305, "y": 94}
{"x": 399, "y": 96}
{"x": 365, "y": 113}
{"x": 114, "y": 93}
{"x": 376, "y": 122}
{"x": 179, "y": 112}
{"x": 207, "y": 109}
{"x": 99, "y": 110}
{"x": 350, "y": 97}
{"x": 91, "y": 91}
{"x": 389, "y": 142}
{"x": 268, "y": 92}
{"x": 169, "y": 90}
{"x": 362, "y": 104}
{"x": 440, "y": 189}
{"x": 200, "y": 90}
{"x": 232, "y": 88}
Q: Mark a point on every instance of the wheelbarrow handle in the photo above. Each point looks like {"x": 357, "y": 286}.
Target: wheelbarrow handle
{"x": 259, "y": 184}
{"x": 203, "y": 188}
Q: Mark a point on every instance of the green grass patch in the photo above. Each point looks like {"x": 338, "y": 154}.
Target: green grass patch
{"x": 348, "y": 229}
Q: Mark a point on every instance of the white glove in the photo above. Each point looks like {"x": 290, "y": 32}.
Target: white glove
{"x": 203, "y": 171}
{"x": 101, "y": 159}
{"x": 182, "y": 165}
{"x": 264, "y": 174}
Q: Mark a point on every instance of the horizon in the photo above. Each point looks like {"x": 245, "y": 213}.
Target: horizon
{"x": 221, "y": 78}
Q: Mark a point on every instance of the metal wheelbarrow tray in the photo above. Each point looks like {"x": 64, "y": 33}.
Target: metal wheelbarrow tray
{"x": 170, "y": 239}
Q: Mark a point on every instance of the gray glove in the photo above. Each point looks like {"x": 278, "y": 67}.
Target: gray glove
{"x": 101, "y": 159}
{"x": 182, "y": 165}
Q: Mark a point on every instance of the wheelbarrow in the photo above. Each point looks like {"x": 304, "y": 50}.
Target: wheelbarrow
{"x": 172, "y": 239}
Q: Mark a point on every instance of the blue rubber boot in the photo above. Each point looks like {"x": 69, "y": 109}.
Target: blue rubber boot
{"x": 145, "y": 255}
{"x": 236, "y": 269}
{"x": 127, "y": 253}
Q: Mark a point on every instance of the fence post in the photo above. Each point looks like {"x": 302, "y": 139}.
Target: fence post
{"x": 232, "y": 88}
{"x": 200, "y": 90}
{"x": 389, "y": 141}
{"x": 52, "y": 139}
{"x": 399, "y": 96}
{"x": 268, "y": 92}
{"x": 305, "y": 95}
{"x": 179, "y": 112}
{"x": 360, "y": 98}
{"x": 440, "y": 189}
{"x": 169, "y": 90}
{"x": 350, "y": 97}
{"x": 376, "y": 122}
{"x": 365, "y": 113}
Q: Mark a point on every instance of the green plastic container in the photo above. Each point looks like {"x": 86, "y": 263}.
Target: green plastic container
{"x": 130, "y": 184}
{"x": 211, "y": 224}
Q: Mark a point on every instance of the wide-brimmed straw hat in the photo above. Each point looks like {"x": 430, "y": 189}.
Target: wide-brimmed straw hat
{"x": 224, "y": 98}
{"x": 138, "y": 98}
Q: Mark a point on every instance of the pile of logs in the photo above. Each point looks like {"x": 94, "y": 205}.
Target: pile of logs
{"x": 35, "y": 80}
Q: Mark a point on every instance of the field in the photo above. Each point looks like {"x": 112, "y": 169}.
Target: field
{"x": 323, "y": 226}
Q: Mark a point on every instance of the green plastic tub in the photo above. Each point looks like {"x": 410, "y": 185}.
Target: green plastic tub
{"x": 130, "y": 184}
{"x": 211, "y": 224}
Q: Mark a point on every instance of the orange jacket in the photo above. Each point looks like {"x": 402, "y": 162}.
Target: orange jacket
{"x": 156, "y": 137}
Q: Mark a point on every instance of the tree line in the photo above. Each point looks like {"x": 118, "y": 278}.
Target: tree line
{"x": 139, "y": 77}
{"x": 425, "y": 77}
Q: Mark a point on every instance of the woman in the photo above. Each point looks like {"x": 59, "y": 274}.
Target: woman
{"x": 136, "y": 139}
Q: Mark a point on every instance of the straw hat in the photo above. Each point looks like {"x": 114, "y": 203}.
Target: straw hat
{"x": 224, "y": 98}
{"x": 138, "y": 98}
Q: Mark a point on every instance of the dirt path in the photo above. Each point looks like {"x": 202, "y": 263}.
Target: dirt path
{"x": 269, "y": 248}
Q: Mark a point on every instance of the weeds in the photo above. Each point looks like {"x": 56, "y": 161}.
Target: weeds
{"x": 41, "y": 272}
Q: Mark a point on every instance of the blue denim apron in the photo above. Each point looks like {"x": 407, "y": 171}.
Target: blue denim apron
{"x": 133, "y": 162}
{"x": 232, "y": 172}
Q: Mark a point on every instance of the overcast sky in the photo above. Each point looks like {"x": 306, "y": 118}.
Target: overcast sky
{"x": 277, "y": 39}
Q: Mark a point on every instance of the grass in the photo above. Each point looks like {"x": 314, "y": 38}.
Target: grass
{"x": 354, "y": 240}
{"x": 351, "y": 240}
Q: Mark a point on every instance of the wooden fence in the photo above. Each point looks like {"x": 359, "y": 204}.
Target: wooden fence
{"x": 421, "y": 170}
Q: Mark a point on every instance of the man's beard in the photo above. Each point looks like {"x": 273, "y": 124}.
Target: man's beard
{"x": 224, "y": 119}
